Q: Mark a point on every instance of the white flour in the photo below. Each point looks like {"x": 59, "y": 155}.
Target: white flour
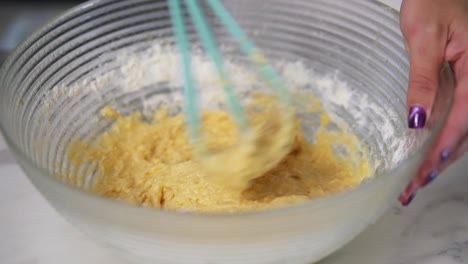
{"x": 160, "y": 64}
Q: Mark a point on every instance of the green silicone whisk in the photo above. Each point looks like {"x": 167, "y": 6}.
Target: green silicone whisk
{"x": 210, "y": 46}
{"x": 252, "y": 157}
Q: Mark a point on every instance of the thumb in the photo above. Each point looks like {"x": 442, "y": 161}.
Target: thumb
{"x": 426, "y": 52}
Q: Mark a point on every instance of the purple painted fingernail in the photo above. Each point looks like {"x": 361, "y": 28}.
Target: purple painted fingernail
{"x": 431, "y": 177}
{"x": 410, "y": 199}
{"x": 444, "y": 155}
{"x": 416, "y": 117}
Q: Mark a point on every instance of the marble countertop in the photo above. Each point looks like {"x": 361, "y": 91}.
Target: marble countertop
{"x": 434, "y": 229}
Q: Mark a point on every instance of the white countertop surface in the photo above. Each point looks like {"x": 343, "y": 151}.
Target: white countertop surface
{"x": 434, "y": 229}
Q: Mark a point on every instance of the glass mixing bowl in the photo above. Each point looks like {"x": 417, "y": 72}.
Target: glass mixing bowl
{"x": 359, "y": 40}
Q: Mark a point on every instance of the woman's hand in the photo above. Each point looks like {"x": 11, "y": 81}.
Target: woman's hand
{"x": 436, "y": 31}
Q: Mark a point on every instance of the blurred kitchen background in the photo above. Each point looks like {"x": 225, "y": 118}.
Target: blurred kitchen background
{"x": 20, "y": 18}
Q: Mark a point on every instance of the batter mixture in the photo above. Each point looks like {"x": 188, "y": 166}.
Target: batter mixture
{"x": 153, "y": 164}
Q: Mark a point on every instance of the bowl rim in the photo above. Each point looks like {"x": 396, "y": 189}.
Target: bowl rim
{"x": 113, "y": 204}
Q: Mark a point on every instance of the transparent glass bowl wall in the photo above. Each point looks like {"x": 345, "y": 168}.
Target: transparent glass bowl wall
{"x": 360, "y": 39}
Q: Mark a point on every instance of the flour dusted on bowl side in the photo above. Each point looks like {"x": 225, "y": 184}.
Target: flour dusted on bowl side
{"x": 179, "y": 183}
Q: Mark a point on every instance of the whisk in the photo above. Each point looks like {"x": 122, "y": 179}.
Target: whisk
{"x": 251, "y": 158}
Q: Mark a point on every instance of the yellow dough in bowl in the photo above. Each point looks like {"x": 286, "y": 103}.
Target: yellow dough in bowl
{"x": 153, "y": 164}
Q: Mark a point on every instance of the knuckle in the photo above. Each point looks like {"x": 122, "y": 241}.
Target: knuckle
{"x": 416, "y": 29}
{"x": 454, "y": 131}
{"x": 423, "y": 83}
